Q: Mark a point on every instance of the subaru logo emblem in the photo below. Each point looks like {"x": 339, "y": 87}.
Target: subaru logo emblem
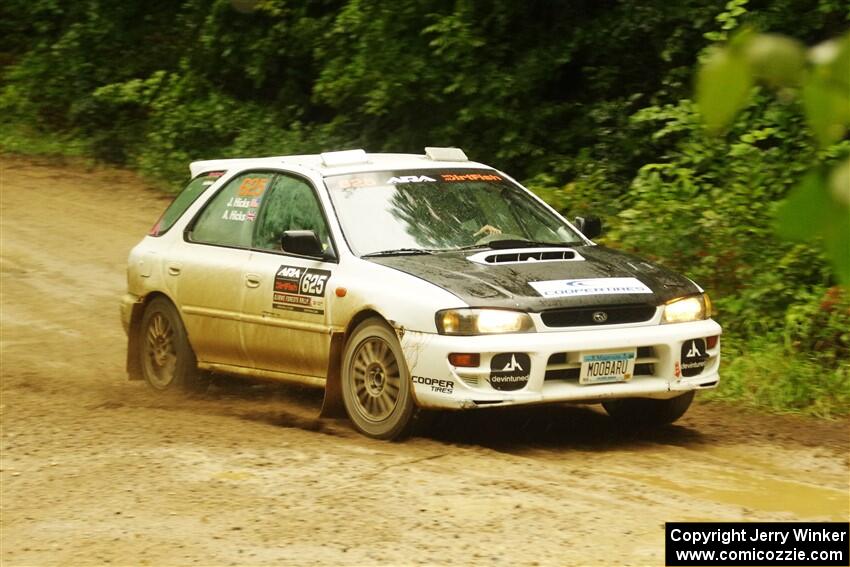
{"x": 600, "y": 317}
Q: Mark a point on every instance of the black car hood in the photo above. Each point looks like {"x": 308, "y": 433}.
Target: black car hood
{"x": 507, "y": 285}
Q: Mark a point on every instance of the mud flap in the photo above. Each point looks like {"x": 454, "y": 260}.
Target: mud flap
{"x": 134, "y": 366}
{"x": 332, "y": 405}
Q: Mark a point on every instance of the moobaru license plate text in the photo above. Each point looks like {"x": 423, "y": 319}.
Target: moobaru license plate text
{"x": 607, "y": 367}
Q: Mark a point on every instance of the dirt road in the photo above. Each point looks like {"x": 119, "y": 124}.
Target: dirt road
{"x": 97, "y": 469}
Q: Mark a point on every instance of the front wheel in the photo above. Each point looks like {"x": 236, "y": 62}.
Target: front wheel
{"x": 168, "y": 362}
{"x": 376, "y": 387}
{"x": 648, "y": 411}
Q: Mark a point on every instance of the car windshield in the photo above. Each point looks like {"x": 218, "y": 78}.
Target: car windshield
{"x": 435, "y": 210}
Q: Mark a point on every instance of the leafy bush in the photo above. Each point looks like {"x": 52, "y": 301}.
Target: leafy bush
{"x": 708, "y": 210}
{"x": 821, "y": 327}
{"x": 762, "y": 374}
{"x": 819, "y": 207}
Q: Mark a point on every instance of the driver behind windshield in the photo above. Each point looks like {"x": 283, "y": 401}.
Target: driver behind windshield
{"x": 437, "y": 211}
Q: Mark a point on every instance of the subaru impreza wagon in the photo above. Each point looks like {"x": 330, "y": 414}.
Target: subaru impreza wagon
{"x": 401, "y": 283}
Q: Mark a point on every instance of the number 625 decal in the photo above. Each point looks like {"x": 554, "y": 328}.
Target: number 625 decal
{"x": 313, "y": 283}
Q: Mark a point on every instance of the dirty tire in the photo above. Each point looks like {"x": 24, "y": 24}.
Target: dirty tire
{"x": 167, "y": 360}
{"x": 376, "y": 387}
{"x": 647, "y": 411}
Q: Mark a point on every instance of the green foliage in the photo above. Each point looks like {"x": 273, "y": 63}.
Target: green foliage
{"x": 719, "y": 200}
{"x": 762, "y": 374}
{"x": 821, "y": 327}
{"x": 21, "y": 138}
{"x": 809, "y": 372}
{"x": 723, "y": 86}
{"x": 728, "y": 20}
{"x": 500, "y": 79}
{"x": 537, "y": 88}
{"x": 813, "y": 211}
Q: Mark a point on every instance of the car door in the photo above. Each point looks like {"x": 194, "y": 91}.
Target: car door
{"x": 285, "y": 309}
{"x": 209, "y": 269}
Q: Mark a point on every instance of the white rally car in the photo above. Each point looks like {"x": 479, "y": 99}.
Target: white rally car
{"x": 404, "y": 282}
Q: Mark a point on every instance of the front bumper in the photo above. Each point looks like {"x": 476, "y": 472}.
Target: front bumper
{"x": 553, "y": 373}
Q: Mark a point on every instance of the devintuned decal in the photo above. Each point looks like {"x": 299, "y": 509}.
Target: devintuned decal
{"x": 437, "y": 385}
{"x": 694, "y": 357}
{"x": 589, "y": 286}
{"x": 300, "y": 289}
{"x": 510, "y": 371}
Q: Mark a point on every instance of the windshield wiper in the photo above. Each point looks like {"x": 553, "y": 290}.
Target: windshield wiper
{"x": 397, "y": 252}
{"x": 517, "y": 243}
{"x": 470, "y": 247}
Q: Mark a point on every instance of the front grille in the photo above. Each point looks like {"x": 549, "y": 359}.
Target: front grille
{"x": 564, "y": 374}
{"x": 567, "y": 366}
{"x": 590, "y": 316}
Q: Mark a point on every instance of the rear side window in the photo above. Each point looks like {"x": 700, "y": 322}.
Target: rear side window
{"x": 183, "y": 200}
{"x": 228, "y": 219}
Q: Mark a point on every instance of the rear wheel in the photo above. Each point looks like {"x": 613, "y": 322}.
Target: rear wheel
{"x": 168, "y": 362}
{"x": 648, "y": 411}
{"x": 376, "y": 388}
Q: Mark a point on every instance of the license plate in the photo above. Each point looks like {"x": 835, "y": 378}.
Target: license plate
{"x": 605, "y": 367}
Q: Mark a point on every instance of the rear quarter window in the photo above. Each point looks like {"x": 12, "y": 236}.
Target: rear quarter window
{"x": 183, "y": 201}
{"x": 228, "y": 218}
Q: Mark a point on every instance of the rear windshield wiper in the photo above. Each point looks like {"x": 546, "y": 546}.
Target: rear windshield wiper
{"x": 397, "y": 252}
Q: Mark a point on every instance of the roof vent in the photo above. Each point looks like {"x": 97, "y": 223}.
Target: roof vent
{"x": 519, "y": 256}
{"x": 445, "y": 154}
{"x": 347, "y": 157}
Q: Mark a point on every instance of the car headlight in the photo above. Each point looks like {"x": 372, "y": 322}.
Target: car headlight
{"x": 693, "y": 308}
{"x": 482, "y": 322}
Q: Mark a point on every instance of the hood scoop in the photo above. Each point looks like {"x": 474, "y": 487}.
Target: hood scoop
{"x": 522, "y": 255}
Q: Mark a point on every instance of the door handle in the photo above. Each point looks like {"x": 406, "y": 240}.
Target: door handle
{"x": 173, "y": 270}
{"x": 252, "y": 280}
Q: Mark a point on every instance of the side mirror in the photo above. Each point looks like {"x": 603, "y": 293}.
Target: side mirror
{"x": 591, "y": 227}
{"x": 302, "y": 243}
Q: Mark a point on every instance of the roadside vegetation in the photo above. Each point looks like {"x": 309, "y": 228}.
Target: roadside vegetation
{"x": 590, "y": 103}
